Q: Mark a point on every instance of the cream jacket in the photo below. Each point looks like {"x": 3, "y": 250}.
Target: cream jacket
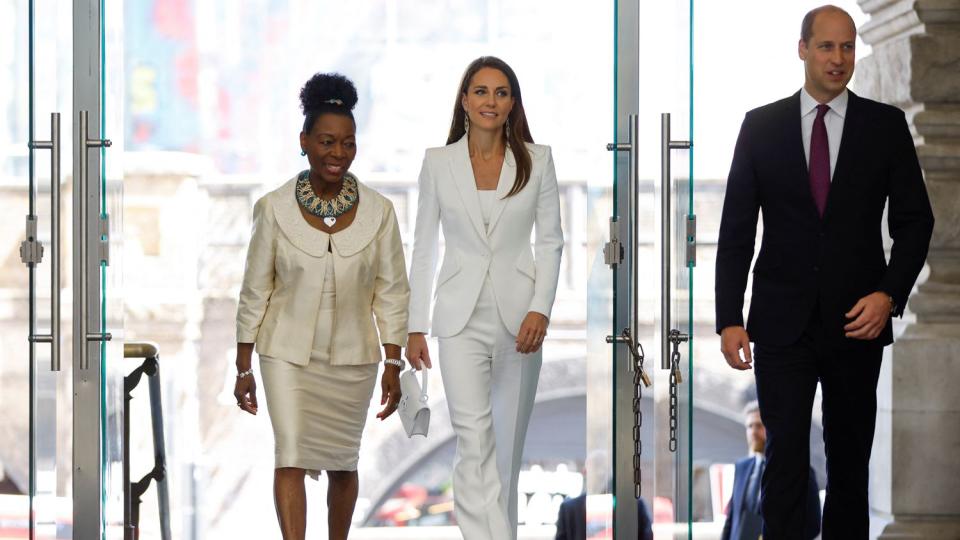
{"x": 284, "y": 272}
{"x": 523, "y": 279}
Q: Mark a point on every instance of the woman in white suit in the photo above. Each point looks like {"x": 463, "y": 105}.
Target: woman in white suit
{"x": 324, "y": 287}
{"x": 488, "y": 189}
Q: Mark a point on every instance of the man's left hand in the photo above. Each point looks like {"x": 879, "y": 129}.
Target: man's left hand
{"x": 870, "y": 315}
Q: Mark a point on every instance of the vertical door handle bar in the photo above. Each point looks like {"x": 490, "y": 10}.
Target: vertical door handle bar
{"x": 666, "y": 145}
{"x": 629, "y": 334}
{"x": 53, "y": 338}
{"x": 85, "y": 143}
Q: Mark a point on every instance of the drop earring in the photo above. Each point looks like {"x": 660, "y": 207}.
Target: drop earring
{"x": 303, "y": 152}
{"x": 466, "y": 122}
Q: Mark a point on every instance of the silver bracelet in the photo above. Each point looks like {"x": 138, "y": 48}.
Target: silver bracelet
{"x": 394, "y": 362}
{"x": 243, "y": 374}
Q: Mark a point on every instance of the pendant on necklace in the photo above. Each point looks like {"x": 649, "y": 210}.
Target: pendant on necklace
{"x": 329, "y": 221}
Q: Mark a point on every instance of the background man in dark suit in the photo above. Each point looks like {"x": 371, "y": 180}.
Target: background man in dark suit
{"x": 821, "y": 164}
{"x": 743, "y": 512}
{"x": 573, "y": 523}
{"x": 572, "y": 520}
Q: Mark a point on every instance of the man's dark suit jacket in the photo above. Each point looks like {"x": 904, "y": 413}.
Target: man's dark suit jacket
{"x": 740, "y": 525}
{"x": 806, "y": 261}
{"x": 572, "y": 520}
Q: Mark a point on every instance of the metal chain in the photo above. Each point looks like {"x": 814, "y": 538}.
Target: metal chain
{"x": 640, "y": 379}
{"x": 637, "y": 415}
{"x": 676, "y": 338}
{"x": 673, "y": 401}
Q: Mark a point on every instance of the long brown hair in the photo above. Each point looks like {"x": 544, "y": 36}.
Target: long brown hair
{"x": 518, "y": 134}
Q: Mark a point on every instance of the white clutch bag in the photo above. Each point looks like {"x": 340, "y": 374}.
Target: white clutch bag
{"x": 414, "y": 411}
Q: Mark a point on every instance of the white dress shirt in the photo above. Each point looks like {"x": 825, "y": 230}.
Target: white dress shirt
{"x": 487, "y": 199}
{"x": 833, "y": 121}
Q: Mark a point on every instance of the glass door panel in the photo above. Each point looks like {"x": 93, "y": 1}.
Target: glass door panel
{"x": 612, "y": 229}
{"x": 36, "y": 331}
{"x": 113, "y": 369}
{"x": 651, "y": 286}
{"x": 601, "y": 293}
{"x": 665, "y": 120}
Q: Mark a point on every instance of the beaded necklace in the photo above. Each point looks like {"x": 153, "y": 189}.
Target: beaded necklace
{"x": 328, "y": 210}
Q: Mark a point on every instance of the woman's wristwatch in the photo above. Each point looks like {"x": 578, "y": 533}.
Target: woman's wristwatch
{"x": 394, "y": 362}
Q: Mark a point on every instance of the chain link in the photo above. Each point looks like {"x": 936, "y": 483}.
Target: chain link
{"x": 637, "y": 415}
{"x": 675, "y": 364}
{"x": 676, "y": 338}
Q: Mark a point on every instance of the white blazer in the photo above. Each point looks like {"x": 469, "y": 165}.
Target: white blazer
{"x": 284, "y": 273}
{"x": 521, "y": 281}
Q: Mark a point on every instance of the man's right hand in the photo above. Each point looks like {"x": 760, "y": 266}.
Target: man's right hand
{"x": 417, "y": 352}
{"x": 732, "y": 340}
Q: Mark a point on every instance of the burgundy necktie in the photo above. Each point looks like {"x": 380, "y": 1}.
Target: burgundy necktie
{"x": 820, "y": 160}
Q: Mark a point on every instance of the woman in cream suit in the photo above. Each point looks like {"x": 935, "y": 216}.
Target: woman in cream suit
{"x": 488, "y": 189}
{"x": 325, "y": 259}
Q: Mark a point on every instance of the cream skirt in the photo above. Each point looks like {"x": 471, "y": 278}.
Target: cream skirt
{"x": 318, "y": 411}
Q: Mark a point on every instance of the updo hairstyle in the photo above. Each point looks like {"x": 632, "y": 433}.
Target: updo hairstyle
{"x": 327, "y": 93}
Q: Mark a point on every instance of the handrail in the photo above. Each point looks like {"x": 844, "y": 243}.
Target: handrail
{"x": 143, "y": 349}
{"x": 132, "y": 491}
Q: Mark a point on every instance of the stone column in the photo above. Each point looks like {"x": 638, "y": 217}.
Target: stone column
{"x": 915, "y": 470}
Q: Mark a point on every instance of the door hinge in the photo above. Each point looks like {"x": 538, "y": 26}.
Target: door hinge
{"x": 613, "y": 250}
{"x": 691, "y": 240}
{"x": 31, "y": 250}
{"x": 103, "y": 246}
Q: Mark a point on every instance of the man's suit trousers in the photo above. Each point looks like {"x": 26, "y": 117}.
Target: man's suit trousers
{"x": 787, "y": 378}
{"x": 490, "y": 390}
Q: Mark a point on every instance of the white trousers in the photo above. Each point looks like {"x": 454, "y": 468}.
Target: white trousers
{"x": 490, "y": 389}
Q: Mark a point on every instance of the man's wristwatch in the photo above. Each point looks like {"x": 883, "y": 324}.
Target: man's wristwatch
{"x": 893, "y": 304}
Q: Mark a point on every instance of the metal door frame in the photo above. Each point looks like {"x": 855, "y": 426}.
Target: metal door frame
{"x": 88, "y": 504}
{"x": 627, "y": 103}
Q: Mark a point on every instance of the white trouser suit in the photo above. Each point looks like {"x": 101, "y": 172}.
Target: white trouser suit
{"x": 490, "y": 389}
{"x": 488, "y": 282}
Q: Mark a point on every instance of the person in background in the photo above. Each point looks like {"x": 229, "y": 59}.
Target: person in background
{"x": 489, "y": 189}
{"x": 743, "y": 511}
{"x": 572, "y": 519}
{"x": 324, "y": 273}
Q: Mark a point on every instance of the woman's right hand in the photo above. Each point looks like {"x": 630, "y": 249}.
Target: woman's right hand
{"x": 418, "y": 354}
{"x": 245, "y": 390}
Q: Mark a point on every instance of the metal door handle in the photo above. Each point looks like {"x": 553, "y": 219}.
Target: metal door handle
{"x": 84, "y": 144}
{"x": 630, "y": 334}
{"x": 31, "y": 251}
{"x": 666, "y": 145}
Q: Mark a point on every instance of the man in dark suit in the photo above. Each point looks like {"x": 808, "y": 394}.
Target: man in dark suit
{"x": 743, "y": 512}
{"x": 821, "y": 164}
{"x": 572, "y": 520}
